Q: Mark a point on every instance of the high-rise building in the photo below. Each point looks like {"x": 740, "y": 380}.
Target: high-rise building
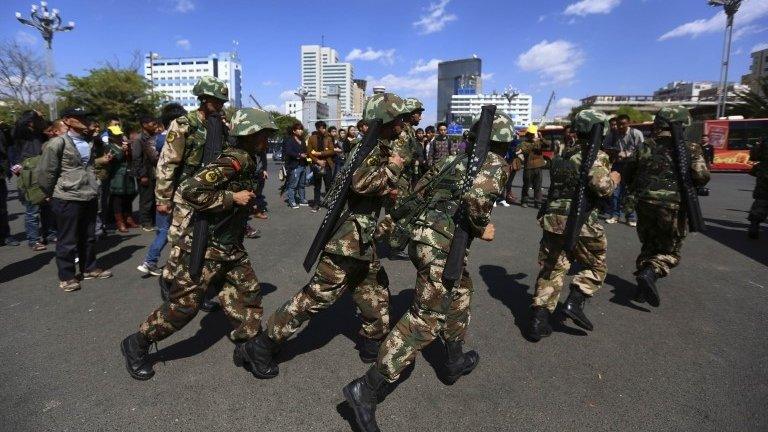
{"x": 294, "y": 108}
{"x": 464, "y": 108}
{"x": 358, "y": 96}
{"x": 175, "y": 77}
{"x": 682, "y": 90}
{"x": 758, "y": 69}
{"x": 320, "y": 67}
{"x": 457, "y": 77}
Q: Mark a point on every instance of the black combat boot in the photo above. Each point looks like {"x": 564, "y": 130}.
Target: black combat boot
{"x": 369, "y": 349}
{"x": 209, "y": 305}
{"x": 540, "y": 327}
{"x": 574, "y": 308}
{"x": 459, "y": 363}
{"x": 646, "y": 283}
{"x": 135, "y": 349}
{"x": 257, "y": 355}
{"x": 165, "y": 288}
{"x": 362, "y": 396}
{"x": 754, "y": 230}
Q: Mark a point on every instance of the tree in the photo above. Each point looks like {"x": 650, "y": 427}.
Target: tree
{"x": 112, "y": 91}
{"x": 283, "y": 122}
{"x": 753, "y": 104}
{"x": 22, "y": 75}
{"x": 635, "y": 115}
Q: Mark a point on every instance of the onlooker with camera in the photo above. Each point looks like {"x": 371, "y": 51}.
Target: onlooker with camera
{"x": 295, "y": 156}
{"x": 144, "y": 160}
{"x": 65, "y": 174}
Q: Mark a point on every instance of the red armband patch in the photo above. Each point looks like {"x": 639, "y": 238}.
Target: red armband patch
{"x": 235, "y": 165}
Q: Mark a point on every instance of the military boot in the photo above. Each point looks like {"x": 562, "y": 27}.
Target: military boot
{"x": 209, "y": 305}
{"x": 540, "y": 327}
{"x": 362, "y": 396}
{"x": 574, "y": 308}
{"x": 368, "y": 349}
{"x": 646, "y": 283}
{"x": 754, "y": 230}
{"x": 135, "y": 349}
{"x": 459, "y": 363}
{"x": 257, "y": 356}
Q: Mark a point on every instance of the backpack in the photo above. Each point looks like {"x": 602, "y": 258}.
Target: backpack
{"x": 28, "y": 183}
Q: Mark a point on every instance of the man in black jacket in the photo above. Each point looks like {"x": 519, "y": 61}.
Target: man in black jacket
{"x": 144, "y": 160}
{"x": 5, "y": 172}
{"x": 295, "y": 154}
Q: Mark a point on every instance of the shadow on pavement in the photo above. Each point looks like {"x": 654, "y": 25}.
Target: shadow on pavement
{"x": 734, "y": 235}
{"x": 213, "y": 327}
{"x": 115, "y": 258}
{"x": 506, "y": 288}
{"x": 25, "y": 267}
{"x": 623, "y": 292}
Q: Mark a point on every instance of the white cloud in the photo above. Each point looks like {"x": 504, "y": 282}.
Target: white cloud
{"x": 24, "y": 38}
{"x": 407, "y": 86}
{"x": 425, "y": 66}
{"x": 435, "y": 19}
{"x": 751, "y": 11}
{"x": 759, "y": 47}
{"x": 288, "y": 95}
{"x": 271, "y": 107}
{"x": 488, "y": 76}
{"x": 564, "y": 105}
{"x": 269, "y": 83}
{"x": 184, "y": 6}
{"x": 556, "y": 61}
{"x": 587, "y": 7}
{"x": 184, "y": 44}
{"x": 542, "y": 18}
{"x": 385, "y": 56}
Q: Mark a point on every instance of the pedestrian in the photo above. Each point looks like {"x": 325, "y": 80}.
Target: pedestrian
{"x": 65, "y": 174}
{"x": 5, "y": 174}
{"x": 441, "y": 146}
{"x": 29, "y": 138}
{"x": 144, "y": 160}
{"x": 122, "y": 185}
{"x": 222, "y": 191}
{"x": 429, "y": 138}
{"x": 438, "y": 309}
{"x": 350, "y": 141}
{"x": 348, "y": 259}
{"x": 661, "y": 223}
{"x": 590, "y": 250}
{"x": 362, "y": 129}
{"x": 419, "y": 155}
{"x": 320, "y": 150}
{"x": 341, "y": 155}
{"x": 515, "y": 163}
{"x": 759, "y": 210}
{"x": 533, "y": 165}
{"x": 624, "y": 142}
{"x": 170, "y": 112}
{"x": 295, "y": 155}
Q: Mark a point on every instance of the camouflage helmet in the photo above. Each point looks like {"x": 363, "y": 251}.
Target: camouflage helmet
{"x": 385, "y": 106}
{"x": 585, "y": 119}
{"x": 413, "y": 105}
{"x": 503, "y": 127}
{"x": 211, "y": 86}
{"x": 668, "y": 115}
{"x": 248, "y": 121}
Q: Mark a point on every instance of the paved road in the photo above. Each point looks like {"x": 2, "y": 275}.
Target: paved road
{"x": 699, "y": 362}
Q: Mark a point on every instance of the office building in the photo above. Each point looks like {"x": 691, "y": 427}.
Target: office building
{"x": 682, "y": 90}
{"x": 457, "y": 77}
{"x": 175, "y": 77}
{"x": 757, "y": 70}
{"x": 293, "y": 108}
{"x": 358, "y": 96}
{"x": 648, "y": 104}
{"x": 320, "y": 68}
{"x": 465, "y": 108}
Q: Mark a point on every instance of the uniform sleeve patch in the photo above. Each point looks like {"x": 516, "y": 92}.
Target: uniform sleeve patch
{"x": 212, "y": 176}
{"x": 236, "y": 165}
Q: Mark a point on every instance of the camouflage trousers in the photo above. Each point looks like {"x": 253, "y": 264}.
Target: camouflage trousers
{"x": 179, "y": 221}
{"x": 436, "y": 310}
{"x": 759, "y": 211}
{"x": 334, "y": 275}
{"x": 661, "y": 231}
{"x": 554, "y": 264}
{"x": 240, "y": 298}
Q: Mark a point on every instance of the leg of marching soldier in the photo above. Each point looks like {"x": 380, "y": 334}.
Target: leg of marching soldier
{"x": 184, "y": 301}
{"x": 554, "y": 266}
{"x": 372, "y": 299}
{"x": 661, "y": 231}
{"x": 240, "y": 298}
{"x": 590, "y": 252}
{"x": 458, "y": 316}
{"x": 331, "y": 278}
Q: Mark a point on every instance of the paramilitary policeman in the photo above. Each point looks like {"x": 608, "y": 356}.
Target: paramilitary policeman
{"x": 348, "y": 260}
{"x": 592, "y": 244}
{"x": 652, "y": 179}
{"x": 180, "y": 158}
{"x": 223, "y": 192}
{"x": 438, "y": 309}
{"x": 759, "y": 210}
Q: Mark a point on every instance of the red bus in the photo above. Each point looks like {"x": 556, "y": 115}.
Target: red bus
{"x": 732, "y": 140}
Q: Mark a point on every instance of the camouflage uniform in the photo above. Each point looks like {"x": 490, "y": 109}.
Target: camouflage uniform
{"x": 759, "y": 210}
{"x": 591, "y": 247}
{"x": 652, "y": 180}
{"x": 349, "y": 258}
{"x": 437, "y": 309}
{"x": 210, "y": 191}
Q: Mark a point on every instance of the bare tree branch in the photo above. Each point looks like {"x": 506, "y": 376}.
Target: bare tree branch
{"x": 22, "y": 74}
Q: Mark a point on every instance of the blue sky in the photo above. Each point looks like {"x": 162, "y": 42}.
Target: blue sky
{"x": 574, "y": 47}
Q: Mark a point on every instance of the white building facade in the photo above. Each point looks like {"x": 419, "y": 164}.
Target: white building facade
{"x": 464, "y": 108}
{"x": 175, "y": 77}
{"x": 320, "y": 67}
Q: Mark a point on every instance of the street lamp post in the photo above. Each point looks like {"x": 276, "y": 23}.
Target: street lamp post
{"x": 47, "y": 23}
{"x": 730, "y": 7}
